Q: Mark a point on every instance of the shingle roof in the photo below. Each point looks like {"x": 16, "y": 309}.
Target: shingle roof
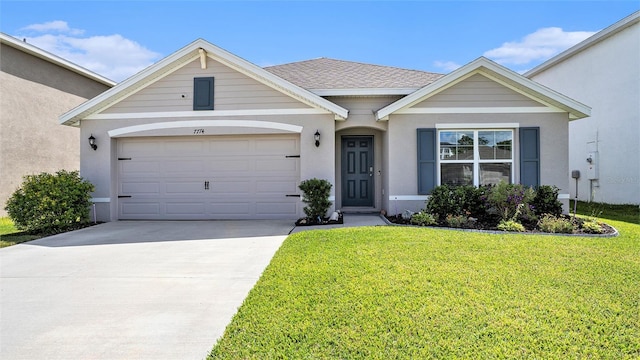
{"x": 325, "y": 73}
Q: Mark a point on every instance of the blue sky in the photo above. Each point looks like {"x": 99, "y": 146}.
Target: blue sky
{"x": 119, "y": 38}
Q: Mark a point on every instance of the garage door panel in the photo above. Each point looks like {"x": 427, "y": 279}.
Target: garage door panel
{"x": 192, "y": 209}
{"x": 140, "y": 168}
{"x": 140, "y": 209}
{"x": 139, "y": 188}
{"x": 230, "y": 209}
{"x": 184, "y": 187}
{"x": 248, "y": 177}
{"x": 277, "y": 186}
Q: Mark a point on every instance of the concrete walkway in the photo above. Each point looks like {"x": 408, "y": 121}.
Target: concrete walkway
{"x": 134, "y": 290}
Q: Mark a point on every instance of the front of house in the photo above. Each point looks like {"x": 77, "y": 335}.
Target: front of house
{"x": 204, "y": 134}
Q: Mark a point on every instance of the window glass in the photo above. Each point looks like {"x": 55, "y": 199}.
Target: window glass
{"x": 456, "y": 145}
{"x": 493, "y": 145}
{"x": 456, "y": 174}
{"x": 494, "y": 173}
{"x": 475, "y": 157}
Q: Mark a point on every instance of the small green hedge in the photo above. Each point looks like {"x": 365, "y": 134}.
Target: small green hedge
{"x": 51, "y": 203}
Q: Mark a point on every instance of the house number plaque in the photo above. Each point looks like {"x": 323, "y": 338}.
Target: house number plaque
{"x": 198, "y": 131}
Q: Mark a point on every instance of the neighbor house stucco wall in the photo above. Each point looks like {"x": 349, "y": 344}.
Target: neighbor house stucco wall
{"x": 33, "y": 94}
{"x": 606, "y": 76}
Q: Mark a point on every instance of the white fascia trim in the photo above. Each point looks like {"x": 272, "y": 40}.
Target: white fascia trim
{"x": 363, "y": 91}
{"x": 204, "y": 123}
{"x": 37, "y": 52}
{"x": 481, "y": 110}
{"x": 100, "y": 200}
{"x": 205, "y": 113}
{"x": 479, "y": 126}
{"x": 408, "y": 197}
{"x": 590, "y": 41}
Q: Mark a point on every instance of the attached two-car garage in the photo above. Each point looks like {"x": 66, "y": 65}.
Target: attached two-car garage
{"x": 208, "y": 177}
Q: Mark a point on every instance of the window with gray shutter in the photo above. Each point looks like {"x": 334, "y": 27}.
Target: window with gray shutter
{"x": 426, "y": 160}
{"x": 530, "y": 156}
{"x": 203, "y": 93}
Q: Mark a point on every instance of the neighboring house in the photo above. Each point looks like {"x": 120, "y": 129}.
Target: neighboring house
{"x": 204, "y": 134}
{"x": 604, "y": 72}
{"x": 35, "y": 88}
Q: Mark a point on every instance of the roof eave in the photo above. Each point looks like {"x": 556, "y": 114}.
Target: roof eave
{"x": 44, "y": 55}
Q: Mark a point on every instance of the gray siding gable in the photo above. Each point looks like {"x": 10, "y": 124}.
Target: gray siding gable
{"x": 233, "y": 91}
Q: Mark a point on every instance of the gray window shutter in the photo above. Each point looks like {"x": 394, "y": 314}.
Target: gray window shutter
{"x": 203, "y": 93}
{"x": 427, "y": 160}
{"x": 530, "y": 156}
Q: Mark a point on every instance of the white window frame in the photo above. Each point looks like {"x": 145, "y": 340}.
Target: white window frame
{"x": 476, "y": 152}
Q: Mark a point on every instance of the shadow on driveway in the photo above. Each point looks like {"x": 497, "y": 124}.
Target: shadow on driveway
{"x": 124, "y": 232}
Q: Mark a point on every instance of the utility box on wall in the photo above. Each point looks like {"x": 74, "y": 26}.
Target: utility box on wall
{"x": 592, "y": 166}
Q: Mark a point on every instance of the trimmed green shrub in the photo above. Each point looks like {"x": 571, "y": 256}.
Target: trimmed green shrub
{"x": 510, "y": 225}
{"x": 552, "y": 224}
{"x": 546, "y": 201}
{"x": 423, "y": 219}
{"x": 464, "y": 200}
{"x": 51, "y": 203}
{"x": 316, "y": 196}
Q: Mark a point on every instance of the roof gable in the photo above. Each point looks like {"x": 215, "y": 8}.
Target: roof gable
{"x": 499, "y": 74}
{"x": 197, "y": 50}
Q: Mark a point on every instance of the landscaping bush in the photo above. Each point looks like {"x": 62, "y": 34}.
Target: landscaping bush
{"x": 423, "y": 219}
{"x": 511, "y": 201}
{"x": 591, "y": 226}
{"x": 316, "y": 196}
{"x": 456, "y": 200}
{"x": 510, "y": 225}
{"x": 51, "y": 203}
{"x": 552, "y": 224}
{"x": 458, "y": 221}
{"x": 546, "y": 201}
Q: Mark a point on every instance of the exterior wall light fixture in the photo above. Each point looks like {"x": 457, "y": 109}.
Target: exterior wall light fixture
{"x": 316, "y": 137}
{"x": 92, "y": 142}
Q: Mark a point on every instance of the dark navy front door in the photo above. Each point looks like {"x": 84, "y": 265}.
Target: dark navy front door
{"x": 357, "y": 171}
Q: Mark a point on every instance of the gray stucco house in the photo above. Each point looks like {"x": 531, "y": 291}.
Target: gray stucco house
{"x": 35, "y": 88}
{"x": 204, "y": 134}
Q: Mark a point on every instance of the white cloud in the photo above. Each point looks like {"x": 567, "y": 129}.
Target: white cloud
{"x": 538, "y": 46}
{"x": 112, "y": 56}
{"x": 53, "y": 26}
{"x": 446, "y": 65}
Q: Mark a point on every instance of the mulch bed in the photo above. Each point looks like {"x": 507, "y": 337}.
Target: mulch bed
{"x": 607, "y": 230}
{"x": 305, "y": 221}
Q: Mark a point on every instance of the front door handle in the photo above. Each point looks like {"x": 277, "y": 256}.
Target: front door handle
{"x": 206, "y": 185}
{"x": 370, "y": 171}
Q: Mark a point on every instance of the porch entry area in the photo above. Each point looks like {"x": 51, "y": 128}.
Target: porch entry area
{"x": 357, "y": 171}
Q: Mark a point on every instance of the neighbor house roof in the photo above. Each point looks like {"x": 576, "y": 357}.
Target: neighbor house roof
{"x": 593, "y": 40}
{"x": 39, "y": 53}
{"x": 197, "y": 50}
{"x": 327, "y": 77}
{"x": 499, "y": 74}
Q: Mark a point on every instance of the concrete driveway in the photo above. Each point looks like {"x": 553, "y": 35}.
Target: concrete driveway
{"x": 130, "y": 290}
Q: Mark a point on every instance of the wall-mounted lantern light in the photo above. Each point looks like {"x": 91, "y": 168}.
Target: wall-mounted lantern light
{"x": 316, "y": 136}
{"x": 92, "y": 142}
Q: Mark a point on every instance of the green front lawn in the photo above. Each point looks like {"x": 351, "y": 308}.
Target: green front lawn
{"x": 405, "y": 293}
{"x": 9, "y": 235}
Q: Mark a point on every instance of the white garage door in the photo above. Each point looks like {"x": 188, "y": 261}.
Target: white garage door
{"x": 209, "y": 177}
